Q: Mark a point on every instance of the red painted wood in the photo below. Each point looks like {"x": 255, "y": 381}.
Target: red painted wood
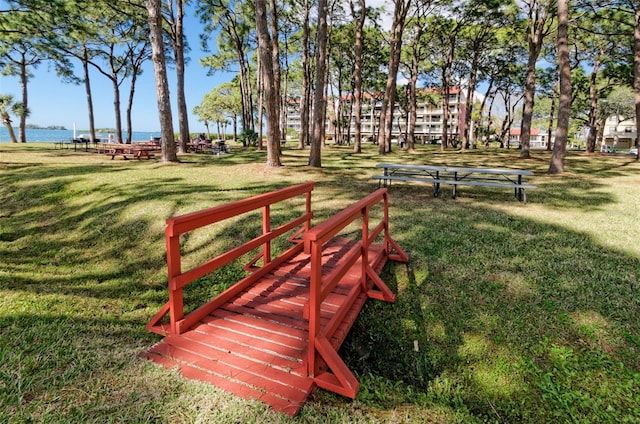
{"x": 287, "y": 399}
{"x": 236, "y": 360}
{"x": 274, "y": 339}
{"x": 256, "y": 345}
{"x": 274, "y": 336}
{"x": 267, "y": 344}
{"x": 323, "y": 279}
{"x": 215, "y": 263}
{"x": 176, "y": 226}
{"x": 184, "y": 223}
{"x": 275, "y": 329}
{"x": 296, "y": 322}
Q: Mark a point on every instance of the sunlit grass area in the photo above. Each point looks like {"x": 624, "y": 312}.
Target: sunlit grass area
{"x": 506, "y": 312}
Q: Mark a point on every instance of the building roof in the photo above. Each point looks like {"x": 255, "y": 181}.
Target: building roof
{"x": 518, "y": 131}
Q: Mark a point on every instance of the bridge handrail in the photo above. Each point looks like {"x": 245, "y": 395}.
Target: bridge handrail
{"x": 179, "y": 225}
{"x": 342, "y": 380}
{"x": 319, "y": 235}
{"x": 326, "y": 230}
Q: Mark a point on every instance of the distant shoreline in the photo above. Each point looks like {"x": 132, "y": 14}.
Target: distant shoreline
{"x": 38, "y": 127}
{"x": 63, "y": 128}
{"x": 49, "y": 136}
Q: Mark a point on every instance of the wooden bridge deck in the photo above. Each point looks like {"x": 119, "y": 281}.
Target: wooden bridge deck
{"x": 256, "y": 345}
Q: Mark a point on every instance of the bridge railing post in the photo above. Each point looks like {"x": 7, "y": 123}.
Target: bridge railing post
{"x": 266, "y": 228}
{"x": 174, "y": 269}
{"x": 365, "y": 246}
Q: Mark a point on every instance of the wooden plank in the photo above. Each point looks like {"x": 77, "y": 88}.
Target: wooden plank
{"x": 288, "y": 306}
{"x": 271, "y": 287}
{"x": 283, "y": 353}
{"x": 278, "y": 308}
{"x": 288, "y": 400}
{"x": 255, "y": 346}
{"x": 275, "y": 328}
{"x": 341, "y": 333}
{"x": 183, "y": 223}
{"x": 292, "y": 322}
{"x": 411, "y": 167}
{"x": 216, "y": 360}
{"x": 250, "y": 364}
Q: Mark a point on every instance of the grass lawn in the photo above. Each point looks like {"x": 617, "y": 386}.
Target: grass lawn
{"x": 506, "y": 312}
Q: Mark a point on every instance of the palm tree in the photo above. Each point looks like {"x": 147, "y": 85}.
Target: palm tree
{"x": 6, "y": 104}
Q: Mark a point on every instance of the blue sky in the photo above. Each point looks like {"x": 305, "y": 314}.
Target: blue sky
{"x": 55, "y": 103}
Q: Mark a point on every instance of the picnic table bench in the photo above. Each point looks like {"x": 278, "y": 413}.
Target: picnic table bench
{"x": 62, "y": 144}
{"x": 65, "y": 144}
{"x": 215, "y": 147}
{"x": 455, "y": 176}
{"x": 137, "y": 150}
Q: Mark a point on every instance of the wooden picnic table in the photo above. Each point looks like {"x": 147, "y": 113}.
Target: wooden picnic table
{"x": 455, "y": 176}
{"x": 134, "y": 150}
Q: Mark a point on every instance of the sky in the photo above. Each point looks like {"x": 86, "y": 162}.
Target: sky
{"x": 53, "y": 102}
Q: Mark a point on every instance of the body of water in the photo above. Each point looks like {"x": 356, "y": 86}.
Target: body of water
{"x": 38, "y": 136}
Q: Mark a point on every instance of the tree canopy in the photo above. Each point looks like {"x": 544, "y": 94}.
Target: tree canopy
{"x": 505, "y": 50}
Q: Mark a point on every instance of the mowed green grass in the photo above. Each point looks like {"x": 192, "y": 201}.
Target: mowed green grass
{"x": 506, "y": 312}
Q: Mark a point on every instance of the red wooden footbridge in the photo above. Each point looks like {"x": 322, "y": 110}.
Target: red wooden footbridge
{"x": 275, "y": 334}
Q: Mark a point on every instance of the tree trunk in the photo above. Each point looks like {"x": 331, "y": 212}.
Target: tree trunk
{"x": 132, "y": 89}
{"x": 590, "y": 143}
{"x": 235, "y": 127}
{"x": 116, "y": 108}
{"x": 319, "y": 107}
{"x": 482, "y": 108}
{"x": 468, "y": 106}
{"x": 277, "y": 73}
{"x": 338, "y": 130}
{"x": 564, "y": 108}
{"x": 306, "y": 90}
{"x": 178, "y": 47}
{"x": 446, "y": 89}
{"x": 247, "y": 121}
{"x": 260, "y": 88}
{"x": 271, "y": 95}
{"x": 244, "y": 74}
{"x": 6, "y": 120}
{"x": 636, "y": 73}
{"x": 284, "y": 101}
{"x": 536, "y": 31}
{"x": 24, "y": 78}
{"x": 527, "y": 109}
{"x": 326, "y": 71}
{"x": 357, "y": 74}
{"x": 412, "y": 88}
{"x": 162, "y": 83}
{"x": 87, "y": 89}
{"x": 552, "y": 112}
{"x": 388, "y": 104}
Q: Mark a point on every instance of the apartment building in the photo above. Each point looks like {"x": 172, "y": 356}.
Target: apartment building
{"x": 538, "y": 138}
{"x": 429, "y": 117}
{"x": 619, "y": 133}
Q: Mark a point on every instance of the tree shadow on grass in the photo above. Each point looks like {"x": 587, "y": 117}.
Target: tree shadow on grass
{"x": 495, "y": 311}
{"x": 498, "y": 311}
{"x": 59, "y": 239}
{"x": 63, "y": 366}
